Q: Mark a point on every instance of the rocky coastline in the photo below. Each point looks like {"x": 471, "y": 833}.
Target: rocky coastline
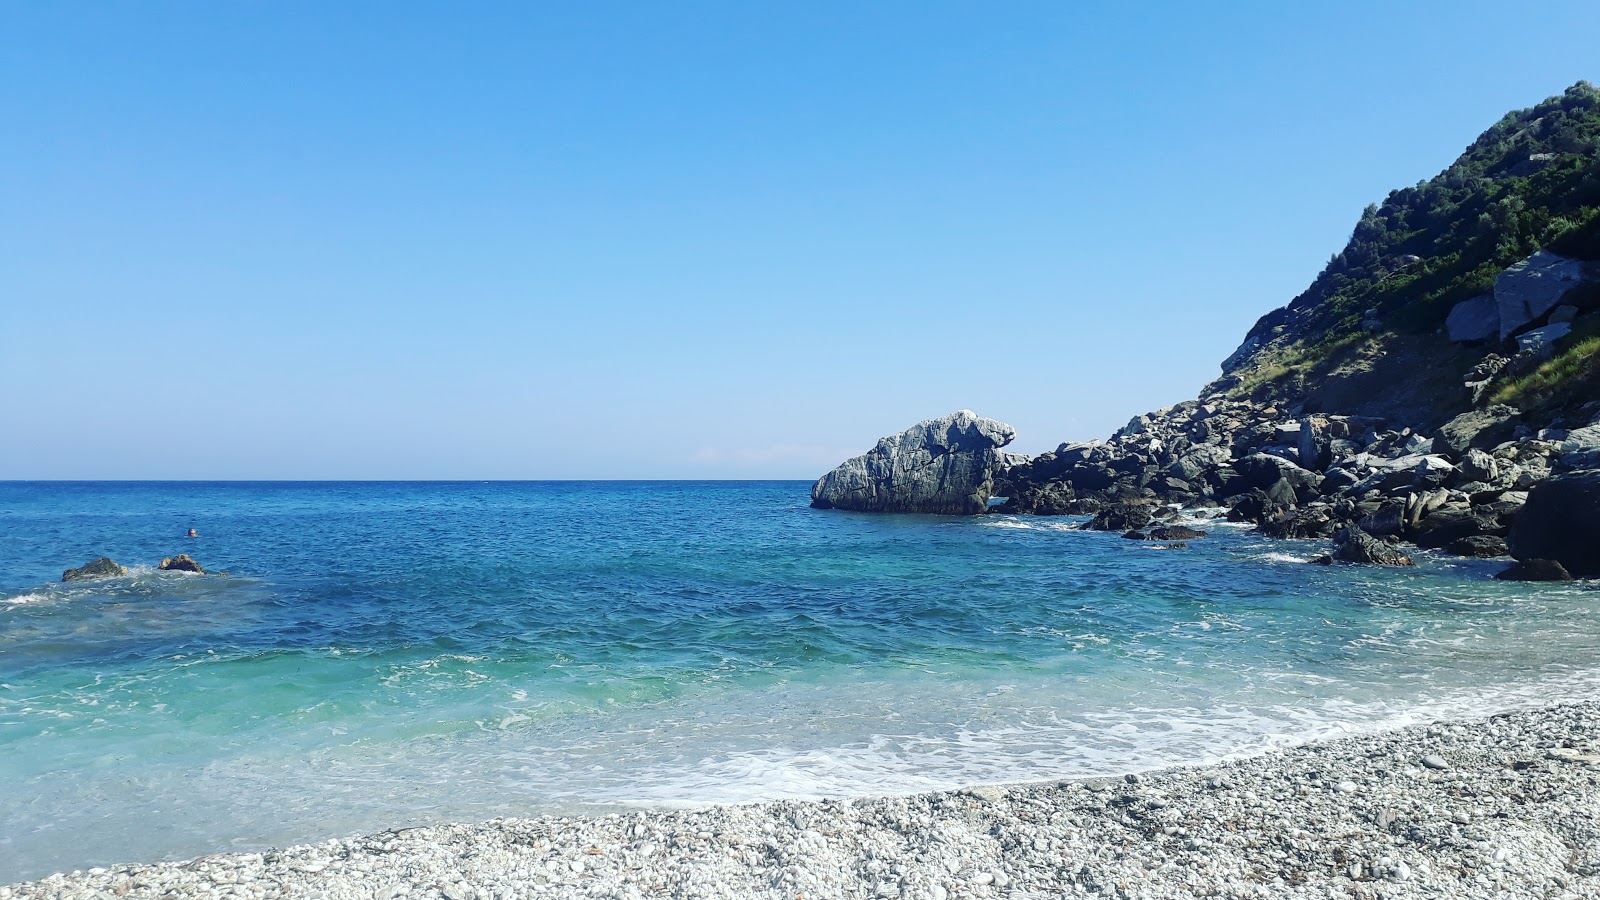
{"x": 1499, "y": 807}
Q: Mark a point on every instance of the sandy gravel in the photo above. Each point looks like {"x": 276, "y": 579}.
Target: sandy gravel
{"x": 1503, "y": 807}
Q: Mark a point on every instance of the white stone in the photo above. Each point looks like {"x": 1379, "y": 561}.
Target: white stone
{"x": 1526, "y": 291}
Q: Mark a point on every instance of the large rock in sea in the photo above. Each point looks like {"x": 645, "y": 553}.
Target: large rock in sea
{"x": 104, "y": 567}
{"x": 945, "y": 465}
{"x": 1561, "y": 522}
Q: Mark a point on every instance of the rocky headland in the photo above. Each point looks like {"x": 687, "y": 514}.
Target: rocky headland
{"x": 1438, "y": 385}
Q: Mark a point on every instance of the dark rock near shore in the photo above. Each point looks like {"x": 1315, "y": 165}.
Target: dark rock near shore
{"x": 181, "y": 563}
{"x": 104, "y": 567}
{"x": 1482, "y": 546}
{"x": 1535, "y": 570}
{"x": 1561, "y": 522}
{"x": 1176, "y": 533}
{"x": 1356, "y": 546}
{"x": 1121, "y": 517}
{"x": 945, "y": 465}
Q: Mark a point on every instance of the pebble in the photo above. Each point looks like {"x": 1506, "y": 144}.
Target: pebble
{"x": 1433, "y": 761}
{"x": 1528, "y": 833}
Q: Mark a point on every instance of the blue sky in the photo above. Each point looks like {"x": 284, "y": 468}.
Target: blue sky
{"x": 689, "y": 240}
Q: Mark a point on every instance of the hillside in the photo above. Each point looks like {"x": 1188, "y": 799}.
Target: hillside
{"x": 1369, "y": 337}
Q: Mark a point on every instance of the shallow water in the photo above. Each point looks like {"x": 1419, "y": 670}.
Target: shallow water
{"x": 384, "y": 654}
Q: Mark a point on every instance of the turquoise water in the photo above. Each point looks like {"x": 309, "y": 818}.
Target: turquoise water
{"x": 385, "y": 654}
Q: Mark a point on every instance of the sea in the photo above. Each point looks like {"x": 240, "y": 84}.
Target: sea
{"x": 371, "y": 655}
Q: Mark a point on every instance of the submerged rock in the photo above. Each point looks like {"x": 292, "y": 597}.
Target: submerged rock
{"x": 945, "y": 465}
{"x": 1535, "y": 570}
{"x": 104, "y": 567}
{"x": 181, "y": 563}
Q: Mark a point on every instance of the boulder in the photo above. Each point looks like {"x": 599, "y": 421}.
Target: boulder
{"x": 104, "y": 567}
{"x": 1561, "y": 522}
{"x": 1477, "y": 319}
{"x": 1535, "y": 570}
{"x": 1480, "y": 428}
{"x": 945, "y": 465}
{"x": 1526, "y": 291}
{"x": 181, "y": 563}
{"x": 1263, "y": 470}
{"x": 1353, "y": 545}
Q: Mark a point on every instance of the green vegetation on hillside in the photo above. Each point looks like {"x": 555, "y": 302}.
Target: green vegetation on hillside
{"x": 1532, "y": 181}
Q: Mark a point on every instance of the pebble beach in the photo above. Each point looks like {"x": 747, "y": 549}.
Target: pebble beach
{"x": 1507, "y": 806}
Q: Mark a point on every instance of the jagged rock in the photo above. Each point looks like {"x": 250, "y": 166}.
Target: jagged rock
{"x": 1482, "y": 546}
{"x": 1388, "y": 520}
{"x": 1055, "y": 498}
{"x": 1477, "y": 319}
{"x": 1477, "y": 465}
{"x": 1120, "y": 517}
{"x": 1481, "y": 428}
{"x": 1535, "y": 570}
{"x": 1353, "y": 545}
{"x": 1561, "y": 522}
{"x": 104, "y": 567}
{"x": 1311, "y": 522}
{"x": 1433, "y": 471}
{"x": 945, "y": 465}
{"x": 1526, "y": 291}
{"x": 181, "y": 563}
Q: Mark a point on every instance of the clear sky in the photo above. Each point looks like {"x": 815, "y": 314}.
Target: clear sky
{"x": 682, "y": 240}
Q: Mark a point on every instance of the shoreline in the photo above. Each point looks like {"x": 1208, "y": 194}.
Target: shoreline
{"x": 1504, "y": 806}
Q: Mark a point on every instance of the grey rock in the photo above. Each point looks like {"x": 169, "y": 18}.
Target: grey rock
{"x": 1581, "y": 448}
{"x": 1477, "y": 319}
{"x": 945, "y": 465}
{"x": 1540, "y": 342}
{"x": 104, "y": 567}
{"x": 1526, "y": 291}
{"x": 1563, "y": 314}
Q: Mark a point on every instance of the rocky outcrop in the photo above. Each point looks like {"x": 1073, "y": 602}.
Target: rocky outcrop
{"x": 104, "y": 567}
{"x": 945, "y": 465}
{"x": 1561, "y": 522}
{"x": 181, "y": 563}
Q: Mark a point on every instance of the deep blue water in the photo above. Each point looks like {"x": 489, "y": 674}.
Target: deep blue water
{"x": 382, "y": 654}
